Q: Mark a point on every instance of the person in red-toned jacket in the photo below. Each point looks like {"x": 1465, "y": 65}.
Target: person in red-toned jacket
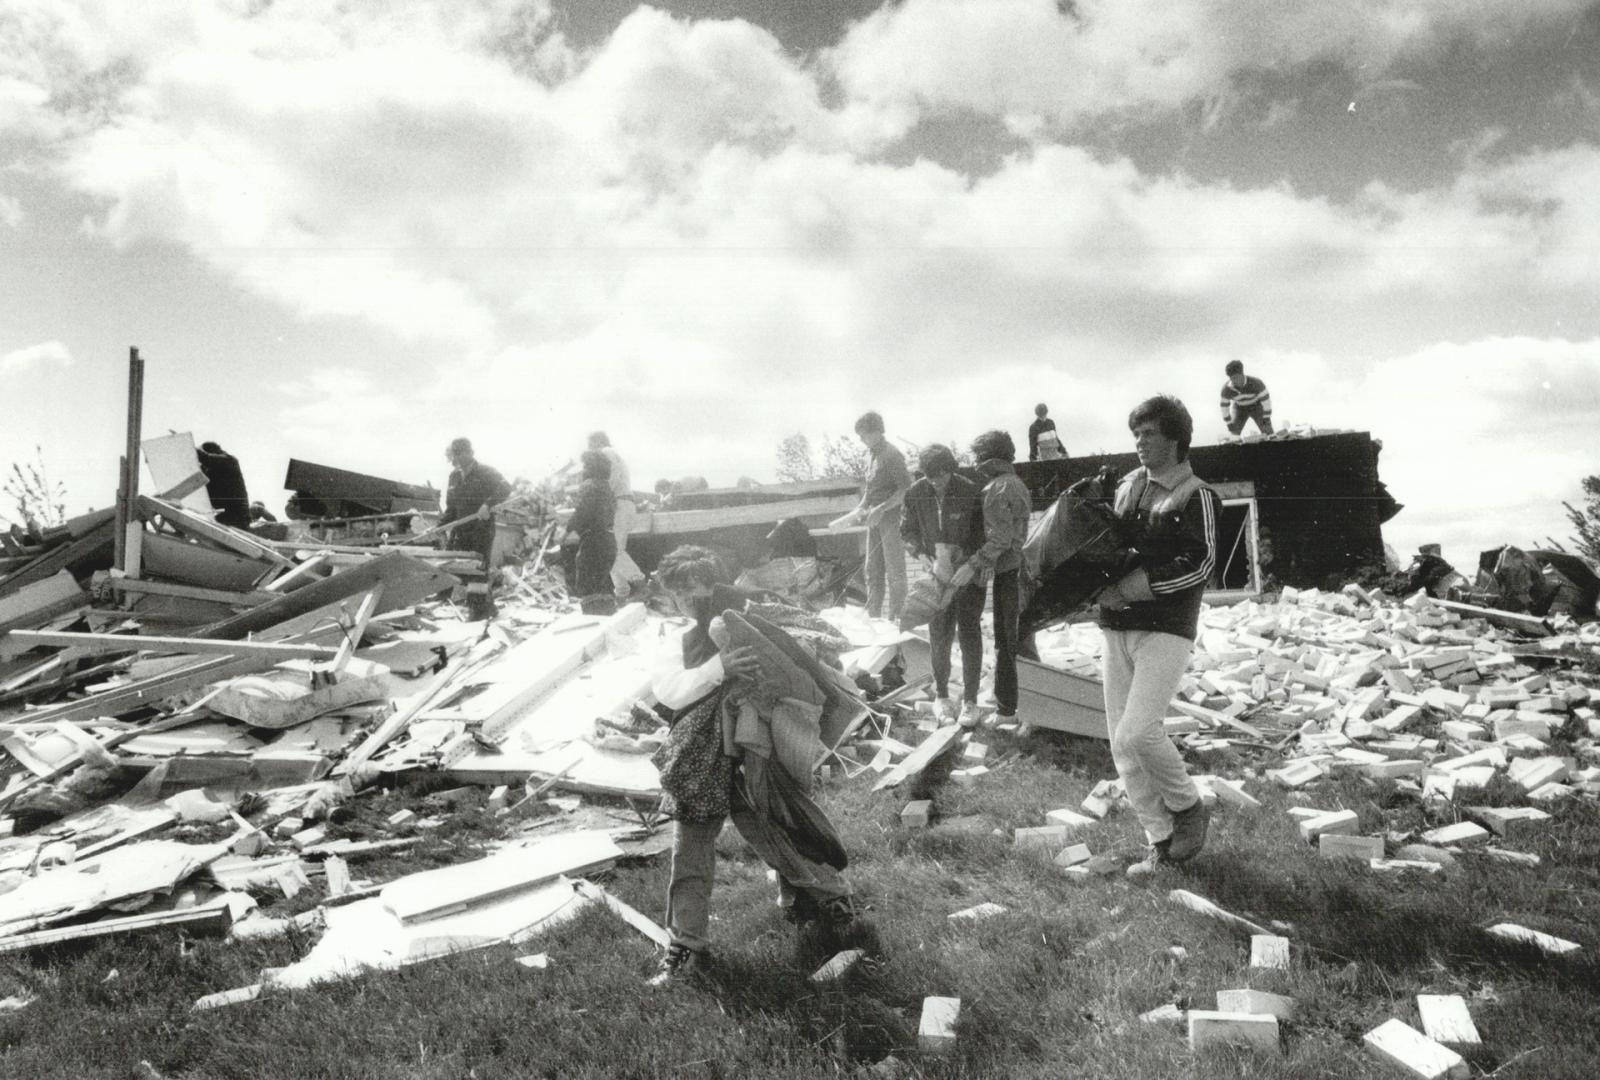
{"x": 1150, "y": 618}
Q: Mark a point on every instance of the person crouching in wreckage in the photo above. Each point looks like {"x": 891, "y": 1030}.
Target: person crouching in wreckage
{"x": 1150, "y": 618}
{"x": 743, "y": 744}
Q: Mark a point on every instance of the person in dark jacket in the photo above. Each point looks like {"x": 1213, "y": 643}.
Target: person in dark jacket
{"x": 1044, "y": 443}
{"x": 225, "y": 485}
{"x": 472, "y": 492}
{"x": 1006, "y": 509}
{"x": 590, "y": 528}
{"x": 1150, "y": 618}
{"x": 1244, "y": 398}
{"x": 943, "y": 523}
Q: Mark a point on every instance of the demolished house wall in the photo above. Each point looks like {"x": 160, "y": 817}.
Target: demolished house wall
{"x": 1319, "y": 501}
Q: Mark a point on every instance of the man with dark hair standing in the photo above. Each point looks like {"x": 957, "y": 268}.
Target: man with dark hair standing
{"x": 225, "y": 485}
{"x": 943, "y": 523}
{"x": 625, "y": 573}
{"x": 1150, "y": 618}
{"x": 1043, "y": 442}
{"x": 882, "y": 496}
{"x": 472, "y": 492}
{"x": 1006, "y": 506}
{"x": 1245, "y": 398}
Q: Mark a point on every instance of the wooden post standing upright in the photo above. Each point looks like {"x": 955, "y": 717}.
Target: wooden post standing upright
{"x": 129, "y": 528}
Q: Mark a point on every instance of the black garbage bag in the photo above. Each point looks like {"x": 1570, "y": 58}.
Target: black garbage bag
{"x": 1075, "y": 550}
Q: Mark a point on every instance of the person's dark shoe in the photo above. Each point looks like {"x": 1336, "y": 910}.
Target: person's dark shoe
{"x": 803, "y": 911}
{"x": 1189, "y": 831}
{"x": 678, "y": 964}
{"x": 1156, "y": 856}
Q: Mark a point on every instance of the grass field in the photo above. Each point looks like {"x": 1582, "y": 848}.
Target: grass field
{"x": 1051, "y": 988}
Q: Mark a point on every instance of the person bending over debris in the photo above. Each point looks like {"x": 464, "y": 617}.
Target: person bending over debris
{"x": 1006, "y": 506}
{"x": 740, "y": 747}
{"x": 225, "y": 485}
{"x": 1245, "y": 398}
{"x": 472, "y": 492}
{"x": 1150, "y": 618}
{"x": 590, "y": 544}
{"x": 944, "y": 524}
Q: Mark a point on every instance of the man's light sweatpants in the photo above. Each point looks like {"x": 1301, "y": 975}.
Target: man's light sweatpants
{"x": 886, "y": 568}
{"x": 1142, "y": 670}
{"x": 624, "y": 571}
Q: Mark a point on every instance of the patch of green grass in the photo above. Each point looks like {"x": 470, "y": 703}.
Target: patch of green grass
{"x": 1050, "y": 988}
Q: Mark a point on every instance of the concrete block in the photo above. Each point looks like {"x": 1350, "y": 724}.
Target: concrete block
{"x": 975, "y": 751}
{"x": 936, "y": 1034}
{"x": 1269, "y": 951}
{"x": 1336, "y": 821}
{"x": 1519, "y": 858}
{"x": 1537, "y": 729}
{"x": 1233, "y": 793}
{"x": 1531, "y": 773}
{"x": 1510, "y": 821}
{"x": 1254, "y": 1031}
{"x": 1167, "y": 1014}
{"x": 1439, "y": 787}
{"x": 1476, "y": 778}
{"x": 1096, "y": 807}
{"x": 839, "y": 966}
{"x": 1070, "y": 818}
{"x": 1412, "y": 1051}
{"x": 1461, "y": 834}
{"x": 1338, "y": 846}
{"x": 1549, "y": 793}
{"x": 1256, "y": 1003}
{"x": 1041, "y": 837}
{"x": 1296, "y": 775}
{"x": 917, "y": 815}
{"x": 1397, "y": 866}
{"x": 1074, "y": 855}
{"x": 1394, "y": 768}
{"x": 1445, "y": 1020}
{"x": 401, "y": 817}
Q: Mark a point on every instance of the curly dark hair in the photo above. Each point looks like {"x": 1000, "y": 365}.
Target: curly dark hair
{"x": 1172, "y": 416}
{"x": 994, "y": 445}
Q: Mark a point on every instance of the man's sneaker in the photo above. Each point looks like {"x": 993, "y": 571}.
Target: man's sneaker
{"x": 1155, "y": 857}
{"x": 1189, "y": 832}
{"x": 942, "y": 710}
{"x": 679, "y": 963}
{"x": 970, "y": 714}
{"x": 801, "y": 909}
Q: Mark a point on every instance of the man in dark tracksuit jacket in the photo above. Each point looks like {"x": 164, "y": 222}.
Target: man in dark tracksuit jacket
{"x": 943, "y": 521}
{"x": 1150, "y": 618}
{"x": 473, "y": 490}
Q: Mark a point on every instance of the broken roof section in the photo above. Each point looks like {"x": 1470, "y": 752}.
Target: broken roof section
{"x": 325, "y": 491}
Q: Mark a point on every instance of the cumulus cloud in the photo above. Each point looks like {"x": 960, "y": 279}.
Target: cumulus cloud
{"x": 1039, "y": 60}
{"x": 45, "y": 355}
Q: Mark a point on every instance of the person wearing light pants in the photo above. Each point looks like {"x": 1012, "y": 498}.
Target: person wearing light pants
{"x": 1150, "y": 618}
{"x": 625, "y": 573}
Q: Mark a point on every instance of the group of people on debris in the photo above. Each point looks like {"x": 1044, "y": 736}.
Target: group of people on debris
{"x": 719, "y": 689}
{"x": 745, "y": 708}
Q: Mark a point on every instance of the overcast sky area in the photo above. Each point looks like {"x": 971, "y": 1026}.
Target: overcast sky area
{"x": 349, "y": 230}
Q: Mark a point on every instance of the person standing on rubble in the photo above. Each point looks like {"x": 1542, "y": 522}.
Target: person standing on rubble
{"x": 1043, "y": 442}
{"x": 590, "y": 544}
{"x": 703, "y": 681}
{"x": 882, "y": 496}
{"x": 1006, "y": 509}
{"x": 225, "y": 485}
{"x": 626, "y": 577}
{"x": 1150, "y": 618}
{"x": 470, "y": 496}
{"x": 943, "y": 523}
{"x": 1245, "y": 398}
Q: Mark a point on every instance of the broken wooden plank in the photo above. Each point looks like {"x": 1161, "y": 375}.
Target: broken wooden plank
{"x": 104, "y": 643}
{"x": 199, "y": 922}
{"x": 253, "y": 598}
{"x": 1205, "y": 907}
{"x": 235, "y": 540}
{"x": 630, "y": 915}
{"x": 94, "y": 546}
{"x": 926, "y": 753}
{"x": 1528, "y": 624}
{"x": 434, "y": 894}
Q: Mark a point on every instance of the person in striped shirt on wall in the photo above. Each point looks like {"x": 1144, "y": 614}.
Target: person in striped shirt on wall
{"x": 1150, "y": 618}
{"x": 1245, "y": 398}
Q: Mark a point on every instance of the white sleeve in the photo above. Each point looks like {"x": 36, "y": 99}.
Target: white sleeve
{"x": 676, "y": 686}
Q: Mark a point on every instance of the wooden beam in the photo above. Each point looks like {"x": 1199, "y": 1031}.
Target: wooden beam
{"x": 694, "y": 521}
{"x": 208, "y": 922}
{"x": 194, "y": 525}
{"x": 128, "y": 485}
{"x": 357, "y": 627}
{"x": 184, "y": 488}
{"x": 1528, "y": 624}
{"x": 97, "y": 543}
{"x": 102, "y": 643}
{"x": 305, "y": 570}
{"x": 254, "y": 598}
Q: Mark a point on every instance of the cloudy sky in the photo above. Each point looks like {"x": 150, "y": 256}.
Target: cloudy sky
{"x": 348, "y": 230}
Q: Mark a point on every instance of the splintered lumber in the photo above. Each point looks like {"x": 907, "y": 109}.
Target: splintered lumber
{"x": 630, "y": 915}
{"x": 1547, "y": 943}
{"x": 1205, "y": 907}
{"x": 841, "y": 965}
{"x": 198, "y": 922}
{"x": 1445, "y": 1019}
{"x": 94, "y": 546}
{"x": 1254, "y": 1031}
{"x": 1402, "y": 1045}
{"x": 42, "y": 600}
{"x": 405, "y": 582}
{"x": 252, "y": 598}
{"x": 434, "y": 894}
{"x": 927, "y": 752}
{"x": 1528, "y": 624}
{"x": 224, "y": 536}
{"x": 106, "y": 643}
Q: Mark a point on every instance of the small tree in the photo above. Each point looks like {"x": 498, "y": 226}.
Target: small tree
{"x": 844, "y": 458}
{"x": 794, "y": 460}
{"x": 39, "y": 501}
{"x": 1586, "y": 521}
